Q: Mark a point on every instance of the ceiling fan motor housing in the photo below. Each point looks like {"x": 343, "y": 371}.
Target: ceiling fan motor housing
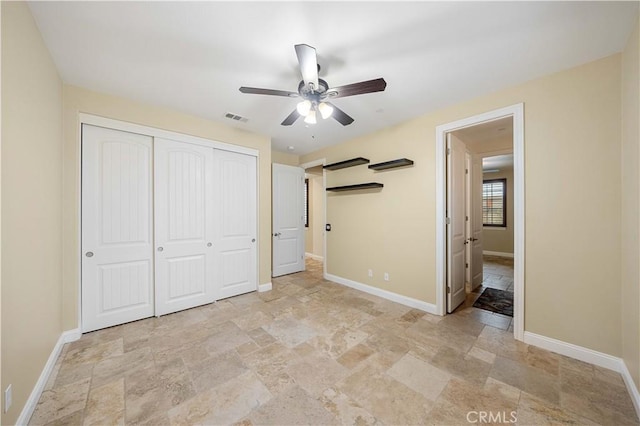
{"x": 314, "y": 94}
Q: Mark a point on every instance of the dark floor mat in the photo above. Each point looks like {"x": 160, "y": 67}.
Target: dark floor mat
{"x": 494, "y": 300}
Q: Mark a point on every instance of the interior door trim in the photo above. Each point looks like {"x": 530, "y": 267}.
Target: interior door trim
{"x": 517, "y": 112}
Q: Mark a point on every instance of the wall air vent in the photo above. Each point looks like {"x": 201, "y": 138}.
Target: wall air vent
{"x": 236, "y": 117}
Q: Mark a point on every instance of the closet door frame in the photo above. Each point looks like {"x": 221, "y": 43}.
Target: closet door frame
{"x": 94, "y": 120}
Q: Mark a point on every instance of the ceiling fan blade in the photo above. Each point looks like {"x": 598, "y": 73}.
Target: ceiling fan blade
{"x": 340, "y": 116}
{"x": 257, "y": 91}
{"x": 308, "y": 64}
{"x": 370, "y": 86}
{"x": 291, "y": 118}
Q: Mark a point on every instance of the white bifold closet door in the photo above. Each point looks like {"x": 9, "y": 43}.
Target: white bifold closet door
{"x": 117, "y": 231}
{"x": 184, "y": 226}
{"x": 166, "y": 225}
{"x": 235, "y": 198}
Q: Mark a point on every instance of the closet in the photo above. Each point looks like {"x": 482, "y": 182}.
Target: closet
{"x": 167, "y": 225}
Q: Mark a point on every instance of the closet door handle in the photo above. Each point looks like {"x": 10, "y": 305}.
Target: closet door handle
{"x": 89, "y": 254}
{"x": 209, "y": 244}
{"x": 160, "y": 248}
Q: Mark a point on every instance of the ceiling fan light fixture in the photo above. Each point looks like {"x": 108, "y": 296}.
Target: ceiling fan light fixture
{"x": 304, "y": 107}
{"x": 311, "y": 117}
{"x": 325, "y": 110}
{"x": 312, "y": 90}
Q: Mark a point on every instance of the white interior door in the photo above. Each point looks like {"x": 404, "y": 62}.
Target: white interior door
{"x": 184, "y": 226}
{"x": 117, "y": 232}
{"x": 456, "y": 236}
{"x": 288, "y": 219}
{"x": 476, "y": 222}
{"x": 235, "y": 189}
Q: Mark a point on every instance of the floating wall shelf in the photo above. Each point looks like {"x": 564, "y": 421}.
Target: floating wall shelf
{"x": 370, "y": 185}
{"x": 346, "y": 163}
{"x": 391, "y": 164}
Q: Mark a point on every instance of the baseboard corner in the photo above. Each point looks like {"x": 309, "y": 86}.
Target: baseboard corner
{"x": 385, "y": 294}
{"x": 631, "y": 386}
{"x": 27, "y": 411}
{"x": 314, "y": 257}
{"x": 497, "y": 253}
{"x": 71, "y": 335}
{"x": 264, "y": 287}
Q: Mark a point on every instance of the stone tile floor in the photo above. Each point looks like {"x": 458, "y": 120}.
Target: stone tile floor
{"x": 497, "y": 272}
{"x": 314, "y": 352}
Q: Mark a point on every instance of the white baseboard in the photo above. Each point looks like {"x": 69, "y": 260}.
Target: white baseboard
{"x": 264, "y": 287}
{"x": 497, "y": 253}
{"x": 573, "y": 351}
{"x": 314, "y": 257}
{"x": 30, "y": 405}
{"x": 631, "y": 387}
{"x": 385, "y": 294}
{"x": 588, "y": 355}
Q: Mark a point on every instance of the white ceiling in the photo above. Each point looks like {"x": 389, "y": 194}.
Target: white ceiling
{"x": 497, "y": 162}
{"x": 488, "y": 131}
{"x": 193, "y": 56}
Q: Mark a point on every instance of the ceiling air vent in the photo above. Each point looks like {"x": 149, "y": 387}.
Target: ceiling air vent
{"x": 236, "y": 117}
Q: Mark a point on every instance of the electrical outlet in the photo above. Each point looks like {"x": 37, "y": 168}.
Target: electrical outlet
{"x": 7, "y": 398}
{"x": 370, "y": 273}
{"x": 386, "y": 276}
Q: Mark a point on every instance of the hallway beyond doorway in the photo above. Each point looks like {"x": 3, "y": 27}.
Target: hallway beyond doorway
{"x": 498, "y": 274}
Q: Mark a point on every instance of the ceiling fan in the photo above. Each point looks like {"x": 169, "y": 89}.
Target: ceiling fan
{"x": 314, "y": 91}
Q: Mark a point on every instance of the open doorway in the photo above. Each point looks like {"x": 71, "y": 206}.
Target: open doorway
{"x": 315, "y": 211}
{"x": 495, "y": 294}
{"x": 480, "y": 234}
{"x": 488, "y": 245}
{"x": 314, "y": 204}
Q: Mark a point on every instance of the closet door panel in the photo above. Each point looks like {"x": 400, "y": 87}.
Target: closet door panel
{"x": 183, "y": 226}
{"x": 236, "y": 222}
{"x": 117, "y": 244}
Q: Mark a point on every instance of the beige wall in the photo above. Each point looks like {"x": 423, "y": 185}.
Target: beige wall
{"x": 631, "y": 205}
{"x": 500, "y": 239}
{"x": 572, "y": 147}
{"x": 317, "y": 214}
{"x": 31, "y": 204}
{"x": 284, "y": 158}
{"x": 78, "y": 100}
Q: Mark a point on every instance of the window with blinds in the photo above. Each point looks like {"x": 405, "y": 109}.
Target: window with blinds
{"x": 494, "y": 202}
{"x": 306, "y": 203}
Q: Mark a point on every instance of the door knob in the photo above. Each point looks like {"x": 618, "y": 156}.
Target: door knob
{"x": 89, "y": 254}
{"x": 277, "y": 234}
{"x": 160, "y": 249}
{"x": 253, "y": 240}
{"x": 209, "y": 244}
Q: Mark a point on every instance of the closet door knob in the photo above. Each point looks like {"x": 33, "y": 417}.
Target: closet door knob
{"x": 209, "y": 244}
{"x": 89, "y": 254}
{"x": 253, "y": 240}
{"x": 160, "y": 249}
